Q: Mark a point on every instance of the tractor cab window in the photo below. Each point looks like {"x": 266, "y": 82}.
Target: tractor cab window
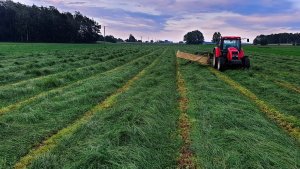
{"x": 231, "y": 43}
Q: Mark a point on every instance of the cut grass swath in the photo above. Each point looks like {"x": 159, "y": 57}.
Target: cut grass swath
{"x": 46, "y": 63}
{"x": 229, "y": 130}
{"x": 36, "y": 69}
{"x": 289, "y": 123}
{"x": 59, "y": 73}
{"x": 19, "y": 104}
{"x": 186, "y": 158}
{"x": 30, "y": 88}
{"x": 32, "y": 123}
{"x": 51, "y": 142}
{"x": 137, "y": 132}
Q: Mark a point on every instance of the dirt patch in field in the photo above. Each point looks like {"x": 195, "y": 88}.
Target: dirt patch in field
{"x": 186, "y": 158}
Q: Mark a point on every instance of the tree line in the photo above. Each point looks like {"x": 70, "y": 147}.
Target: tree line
{"x": 112, "y": 39}
{"x": 196, "y": 37}
{"x": 281, "y": 38}
{"x": 22, "y": 23}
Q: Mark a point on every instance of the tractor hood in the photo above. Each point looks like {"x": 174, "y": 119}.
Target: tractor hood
{"x": 232, "y": 49}
{"x": 233, "y": 54}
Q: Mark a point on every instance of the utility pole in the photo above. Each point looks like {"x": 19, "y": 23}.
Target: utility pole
{"x": 104, "y": 33}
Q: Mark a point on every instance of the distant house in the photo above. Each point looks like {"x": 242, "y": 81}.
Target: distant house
{"x": 209, "y": 43}
{"x": 167, "y": 41}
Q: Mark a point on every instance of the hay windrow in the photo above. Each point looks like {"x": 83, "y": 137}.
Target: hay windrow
{"x": 52, "y": 141}
{"x": 22, "y": 103}
{"x": 287, "y": 122}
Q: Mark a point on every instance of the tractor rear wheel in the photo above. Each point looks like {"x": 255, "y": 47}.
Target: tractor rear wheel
{"x": 221, "y": 63}
{"x": 246, "y": 62}
{"x": 214, "y": 61}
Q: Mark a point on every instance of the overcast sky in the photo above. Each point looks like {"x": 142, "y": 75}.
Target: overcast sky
{"x": 171, "y": 19}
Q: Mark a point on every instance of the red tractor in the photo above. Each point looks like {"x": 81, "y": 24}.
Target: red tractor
{"x": 229, "y": 52}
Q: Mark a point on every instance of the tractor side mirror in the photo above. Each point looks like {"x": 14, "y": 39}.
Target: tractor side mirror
{"x": 248, "y": 40}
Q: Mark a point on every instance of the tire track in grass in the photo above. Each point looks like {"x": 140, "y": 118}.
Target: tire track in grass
{"x": 55, "y": 74}
{"x": 51, "y": 142}
{"x": 186, "y": 158}
{"x": 288, "y": 86}
{"x": 22, "y": 103}
{"x": 282, "y": 83}
{"x": 288, "y": 123}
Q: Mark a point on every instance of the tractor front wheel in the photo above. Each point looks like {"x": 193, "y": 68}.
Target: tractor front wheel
{"x": 246, "y": 62}
{"x": 221, "y": 63}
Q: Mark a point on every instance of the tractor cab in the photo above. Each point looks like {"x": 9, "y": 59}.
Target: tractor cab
{"x": 226, "y": 43}
{"x": 229, "y": 52}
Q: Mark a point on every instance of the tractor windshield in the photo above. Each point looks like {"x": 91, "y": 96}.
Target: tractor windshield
{"x": 232, "y": 43}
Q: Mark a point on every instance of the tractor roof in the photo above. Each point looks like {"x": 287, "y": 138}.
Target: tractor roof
{"x": 231, "y": 37}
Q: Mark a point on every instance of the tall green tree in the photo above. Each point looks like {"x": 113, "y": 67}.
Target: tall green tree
{"x": 194, "y": 37}
{"x": 280, "y": 38}
{"x": 131, "y": 39}
{"x": 110, "y": 39}
{"x": 216, "y": 37}
{"x": 21, "y": 23}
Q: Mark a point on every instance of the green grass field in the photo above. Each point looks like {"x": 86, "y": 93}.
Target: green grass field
{"x": 138, "y": 106}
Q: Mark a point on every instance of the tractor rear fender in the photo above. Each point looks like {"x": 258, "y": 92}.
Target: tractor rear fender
{"x": 217, "y": 52}
{"x": 241, "y": 54}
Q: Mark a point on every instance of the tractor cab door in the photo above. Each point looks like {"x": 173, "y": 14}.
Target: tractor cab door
{"x": 223, "y": 48}
{"x": 220, "y": 44}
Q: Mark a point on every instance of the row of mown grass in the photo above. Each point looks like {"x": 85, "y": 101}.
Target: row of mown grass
{"x": 51, "y": 142}
{"x": 25, "y": 128}
{"x": 11, "y": 51}
{"x": 273, "y": 76}
{"x": 271, "y": 67}
{"x": 135, "y": 125}
{"x": 89, "y": 73}
{"x": 139, "y": 131}
{"x": 18, "y": 92}
{"x": 229, "y": 131}
{"x": 47, "y": 64}
{"x": 280, "y": 97}
{"x": 277, "y": 63}
{"x": 49, "y": 60}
